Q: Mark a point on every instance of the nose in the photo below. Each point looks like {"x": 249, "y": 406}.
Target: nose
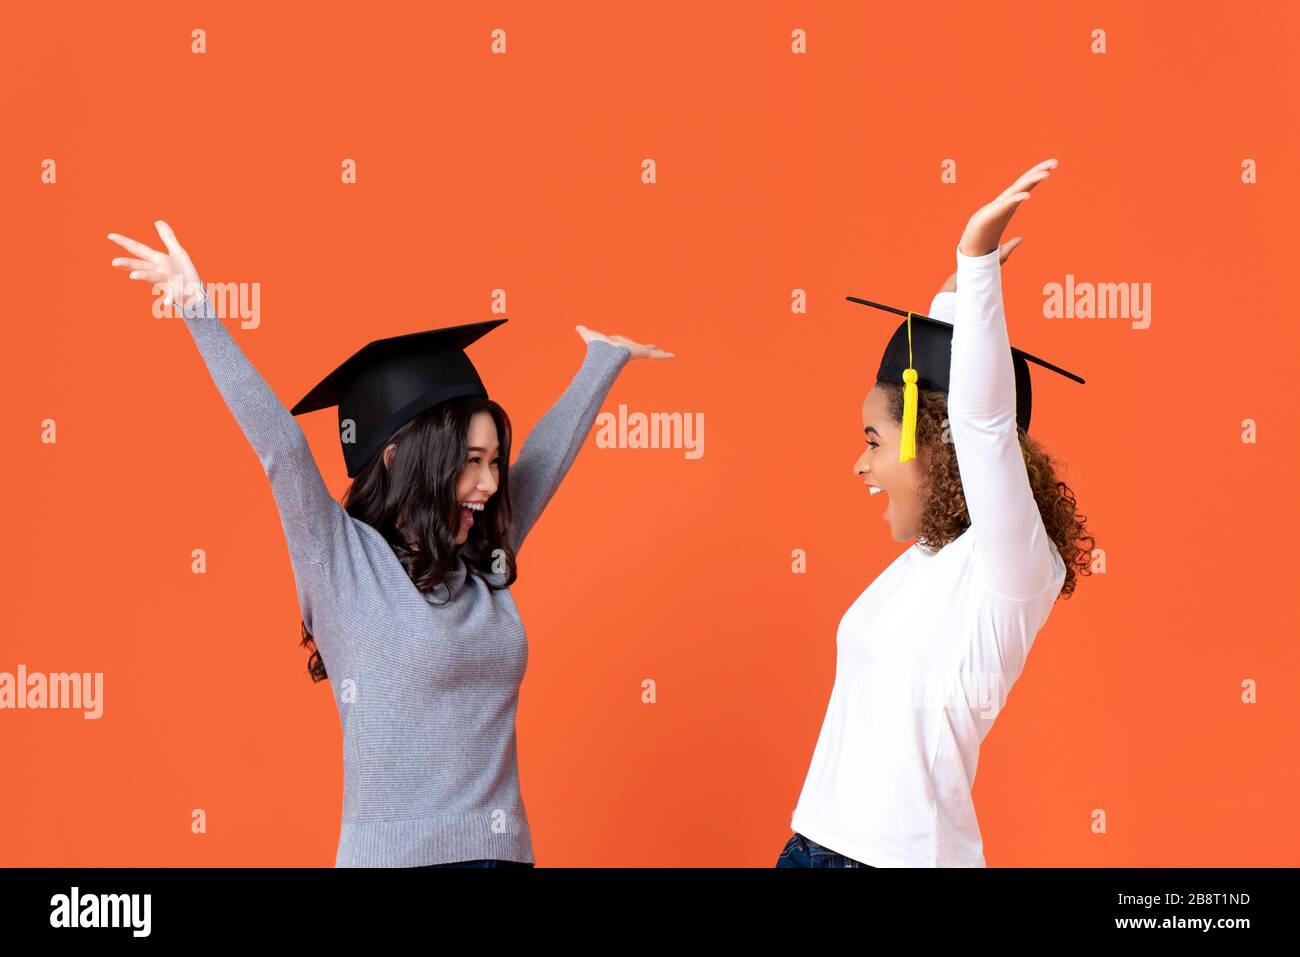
{"x": 862, "y": 466}
{"x": 487, "y": 483}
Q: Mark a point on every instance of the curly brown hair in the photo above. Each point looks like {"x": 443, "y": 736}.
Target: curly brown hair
{"x": 944, "y": 515}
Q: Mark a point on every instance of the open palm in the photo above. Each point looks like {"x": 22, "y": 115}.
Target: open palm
{"x": 639, "y": 351}
{"x": 172, "y": 269}
{"x": 984, "y": 230}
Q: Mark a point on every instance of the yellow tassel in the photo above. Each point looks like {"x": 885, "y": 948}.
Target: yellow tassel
{"x": 907, "y": 442}
{"x": 907, "y": 445}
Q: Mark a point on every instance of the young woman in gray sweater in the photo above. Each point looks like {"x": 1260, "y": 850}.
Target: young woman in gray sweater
{"x": 404, "y": 588}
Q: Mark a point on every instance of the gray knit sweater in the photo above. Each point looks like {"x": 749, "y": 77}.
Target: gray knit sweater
{"x": 426, "y": 693}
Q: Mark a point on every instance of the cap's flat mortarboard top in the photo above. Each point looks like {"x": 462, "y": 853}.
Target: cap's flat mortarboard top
{"x": 931, "y": 358}
{"x": 388, "y": 382}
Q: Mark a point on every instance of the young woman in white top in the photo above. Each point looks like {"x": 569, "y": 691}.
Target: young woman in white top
{"x": 927, "y": 653}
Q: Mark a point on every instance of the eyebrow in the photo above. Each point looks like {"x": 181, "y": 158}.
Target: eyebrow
{"x": 869, "y": 429}
{"x": 479, "y": 448}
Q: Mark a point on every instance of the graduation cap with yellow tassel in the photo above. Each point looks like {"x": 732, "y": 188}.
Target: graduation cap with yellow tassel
{"x": 920, "y": 355}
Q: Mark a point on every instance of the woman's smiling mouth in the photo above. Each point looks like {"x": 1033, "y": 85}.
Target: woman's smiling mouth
{"x": 467, "y": 510}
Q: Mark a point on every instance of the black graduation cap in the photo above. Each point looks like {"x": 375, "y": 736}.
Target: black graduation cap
{"x": 390, "y": 381}
{"x": 925, "y": 351}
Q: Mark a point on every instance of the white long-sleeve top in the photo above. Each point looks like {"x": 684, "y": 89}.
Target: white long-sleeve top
{"x": 926, "y": 655}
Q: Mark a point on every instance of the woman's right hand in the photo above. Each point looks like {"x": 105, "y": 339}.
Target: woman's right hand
{"x": 172, "y": 269}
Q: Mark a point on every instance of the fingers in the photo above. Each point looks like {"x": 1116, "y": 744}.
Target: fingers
{"x": 1001, "y": 209}
{"x": 1038, "y": 171}
{"x": 169, "y": 238}
{"x": 1022, "y": 186}
{"x": 984, "y": 230}
{"x": 140, "y": 249}
{"x": 647, "y": 350}
{"x": 1031, "y": 177}
{"x": 135, "y": 264}
{"x": 150, "y": 276}
{"x": 177, "y": 251}
{"x": 155, "y": 267}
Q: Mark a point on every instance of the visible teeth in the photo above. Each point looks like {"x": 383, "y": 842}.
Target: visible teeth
{"x": 873, "y": 489}
{"x": 472, "y": 506}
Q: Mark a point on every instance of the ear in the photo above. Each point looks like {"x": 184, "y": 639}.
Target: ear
{"x": 389, "y": 450}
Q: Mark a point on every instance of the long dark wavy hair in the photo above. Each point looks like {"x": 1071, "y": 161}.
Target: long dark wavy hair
{"x": 944, "y": 515}
{"x": 419, "y": 488}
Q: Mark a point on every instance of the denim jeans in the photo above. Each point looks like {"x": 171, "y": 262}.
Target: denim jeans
{"x": 801, "y": 852}
{"x": 480, "y": 864}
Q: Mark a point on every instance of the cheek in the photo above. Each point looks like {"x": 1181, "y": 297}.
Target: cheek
{"x": 885, "y": 466}
{"x": 913, "y": 478}
{"x": 901, "y": 478}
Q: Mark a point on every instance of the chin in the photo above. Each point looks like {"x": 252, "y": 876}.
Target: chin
{"x": 898, "y": 536}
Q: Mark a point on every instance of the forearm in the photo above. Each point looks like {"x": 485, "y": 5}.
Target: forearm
{"x": 553, "y": 444}
{"x": 308, "y": 513}
{"x": 982, "y": 387}
{"x": 264, "y": 420}
{"x": 1005, "y": 522}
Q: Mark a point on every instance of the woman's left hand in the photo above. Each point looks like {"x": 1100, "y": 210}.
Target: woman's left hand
{"x": 984, "y": 230}
{"x": 639, "y": 351}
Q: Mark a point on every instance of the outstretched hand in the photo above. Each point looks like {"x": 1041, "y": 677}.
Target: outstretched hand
{"x": 984, "y": 230}
{"x": 639, "y": 351}
{"x": 172, "y": 269}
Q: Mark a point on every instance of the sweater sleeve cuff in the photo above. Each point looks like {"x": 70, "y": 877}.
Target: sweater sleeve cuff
{"x": 606, "y": 353}
{"x": 201, "y": 308}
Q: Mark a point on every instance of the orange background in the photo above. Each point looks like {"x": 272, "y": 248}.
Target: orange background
{"x": 775, "y": 172}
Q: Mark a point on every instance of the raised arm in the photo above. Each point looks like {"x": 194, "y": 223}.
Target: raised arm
{"x": 554, "y": 442}
{"x": 1010, "y": 540}
{"x": 1014, "y": 551}
{"x": 309, "y": 514}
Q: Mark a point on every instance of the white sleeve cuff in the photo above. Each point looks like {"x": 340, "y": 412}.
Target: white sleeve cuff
{"x": 965, "y": 262}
